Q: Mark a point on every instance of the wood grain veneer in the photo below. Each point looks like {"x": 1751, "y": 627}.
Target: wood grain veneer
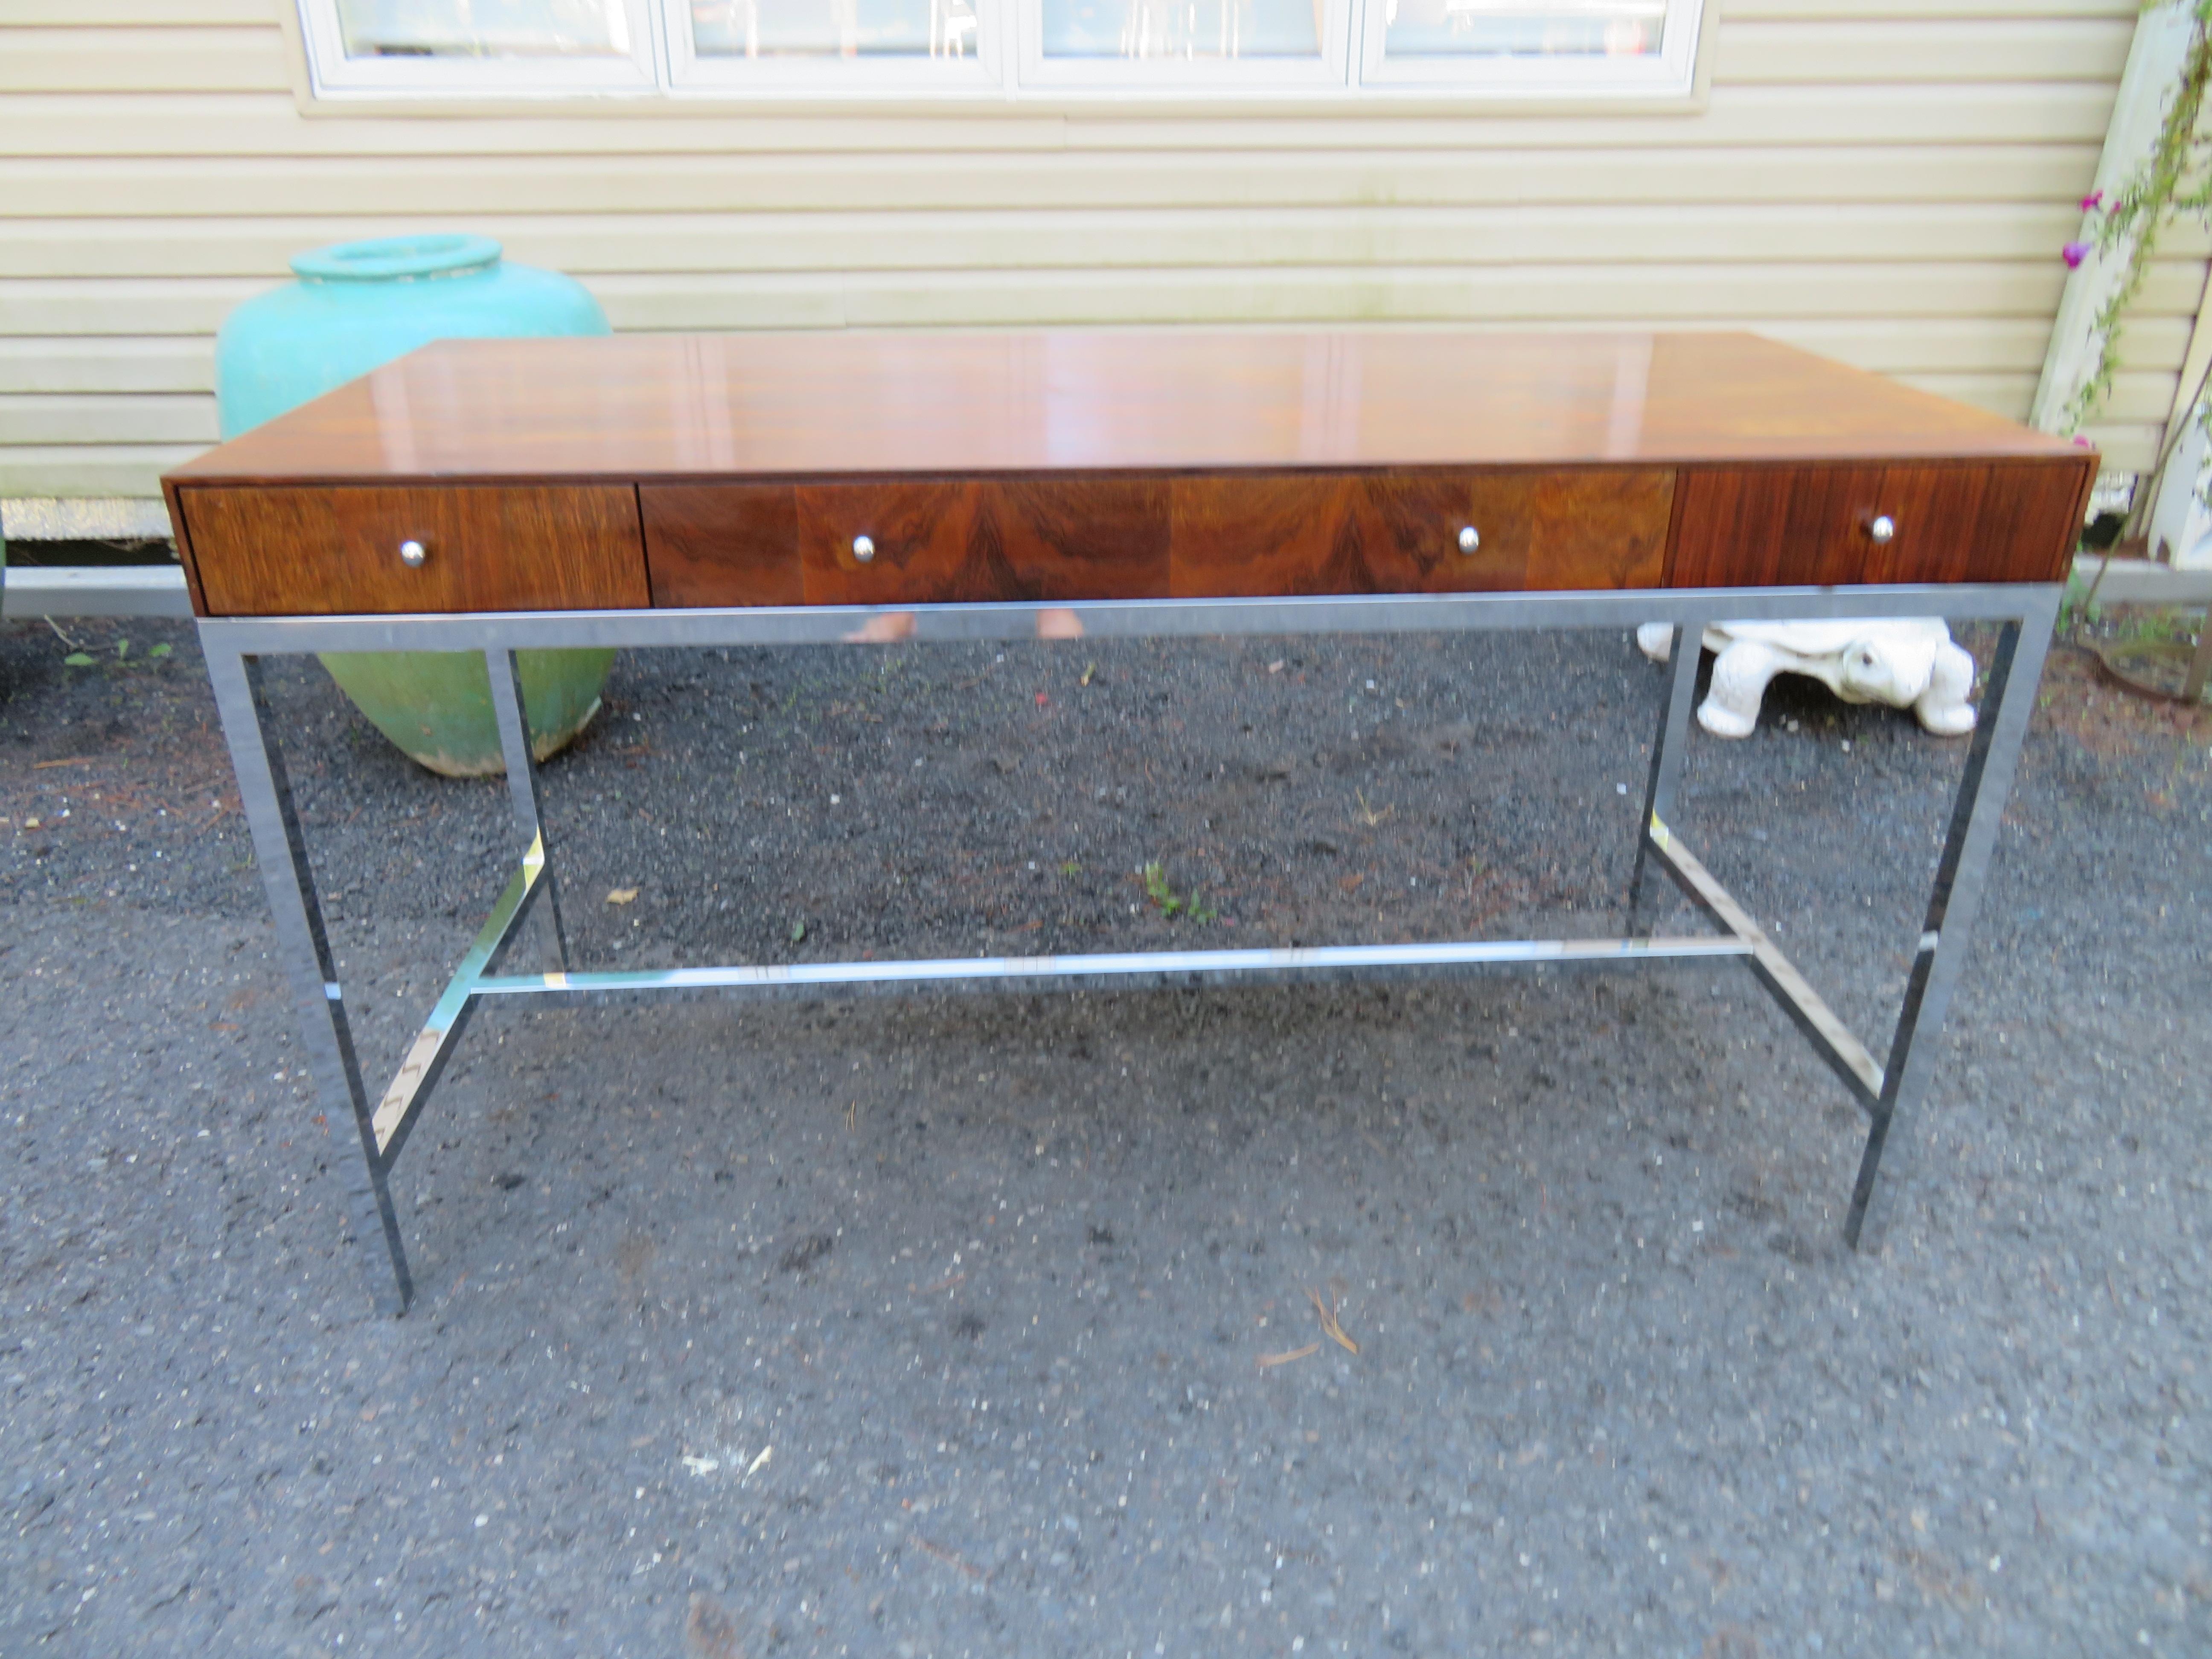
{"x": 1398, "y": 532}
{"x": 713, "y": 545}
{"x": 1074, "y": 465}
{"x": 1769, "y": 526}
{"x": 286, "y": 552}
{"x": 1218, "y": 535}
{"x": 947, "y": 405}
{"x": 950, "y": 541}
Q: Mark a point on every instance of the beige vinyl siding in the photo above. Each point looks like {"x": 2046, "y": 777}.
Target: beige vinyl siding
{"x": 1885, "y": 181}
{"x": 267, "y": 124}
{"x": 122, "y": 363}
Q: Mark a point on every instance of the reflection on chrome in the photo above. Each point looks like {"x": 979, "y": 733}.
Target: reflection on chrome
{"x": 1058, "y": 622}
{"x": 885, "y": 628}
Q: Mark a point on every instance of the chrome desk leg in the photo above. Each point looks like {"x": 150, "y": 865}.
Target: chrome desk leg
{"x": 305, "y": 948}
{"x": 1667, "y": 749}
{"x": 522, "y": 777}
{"x": 2007, "y": 700}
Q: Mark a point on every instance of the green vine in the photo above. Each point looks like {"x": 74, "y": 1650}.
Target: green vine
{"x": 2174, "y": 179}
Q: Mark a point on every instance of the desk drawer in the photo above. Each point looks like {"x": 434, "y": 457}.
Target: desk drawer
{"x": 1242, "y": 534}
{"x": 302, "y": 552}
{"x": 972, "y": 540}
{"x": 1784, "y": 525}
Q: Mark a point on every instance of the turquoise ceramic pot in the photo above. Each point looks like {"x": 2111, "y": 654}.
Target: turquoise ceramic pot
{"x": 359, "y": 305}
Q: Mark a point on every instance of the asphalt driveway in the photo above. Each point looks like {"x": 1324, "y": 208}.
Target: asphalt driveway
{"x": 979, "y": 1326}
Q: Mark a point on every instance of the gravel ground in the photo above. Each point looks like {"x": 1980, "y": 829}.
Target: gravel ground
{"x": 939, "y": 1326}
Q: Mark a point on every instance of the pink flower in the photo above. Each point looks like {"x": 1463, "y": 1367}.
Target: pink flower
{"x": 2094, "y": 203}
{"x": 2074, "y": 253}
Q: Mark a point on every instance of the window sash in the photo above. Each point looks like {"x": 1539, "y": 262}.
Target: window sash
{"x": 978, "y": 70}
{"x": 1323, "y": 72}
{"x": 332, "y": 72}
{"x": 1008, "y": 63}
{"x": 1671, "y": 69}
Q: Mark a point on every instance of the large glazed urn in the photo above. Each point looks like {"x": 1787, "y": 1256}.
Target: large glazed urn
{"x": 353, "y": 307}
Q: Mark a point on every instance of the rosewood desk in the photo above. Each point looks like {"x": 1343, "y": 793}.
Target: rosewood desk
{"x": 497, "y": 495}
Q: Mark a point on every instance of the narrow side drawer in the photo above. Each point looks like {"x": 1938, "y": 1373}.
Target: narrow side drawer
{"x": 294, "y": 551}
{"x": 1819, "y": 526}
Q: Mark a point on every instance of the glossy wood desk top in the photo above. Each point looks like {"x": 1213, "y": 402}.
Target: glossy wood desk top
{"x": 1069, "y": 464}
{"x": 841, "y": 405}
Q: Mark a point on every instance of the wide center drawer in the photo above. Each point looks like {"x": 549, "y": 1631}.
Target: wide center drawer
{"x": 950, "y": 541}
{"x": 380, "y": 549}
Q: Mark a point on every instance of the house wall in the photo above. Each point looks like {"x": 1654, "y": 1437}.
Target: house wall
{"x": 1885, "y": 181}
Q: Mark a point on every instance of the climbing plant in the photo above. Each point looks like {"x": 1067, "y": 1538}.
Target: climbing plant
{"x": 2175, "y": 179}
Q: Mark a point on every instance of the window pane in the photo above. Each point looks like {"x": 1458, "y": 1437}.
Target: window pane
{"x": 1524, "y": 29}
{"x": 1183, "y": 28}
{"x": 834, "y": 28}
{"x": 484, "y": 28}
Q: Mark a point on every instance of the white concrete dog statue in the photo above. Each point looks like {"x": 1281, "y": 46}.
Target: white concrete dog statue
{"x": 1909, "y": 663}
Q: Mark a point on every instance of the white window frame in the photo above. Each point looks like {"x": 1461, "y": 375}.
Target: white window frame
{"x": 333, "y": 74}
{"x": 1008, "y": 67}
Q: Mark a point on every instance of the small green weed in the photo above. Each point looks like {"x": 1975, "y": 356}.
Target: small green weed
{"x": 1164, "y": 899}
{"x": 82, "y": 658}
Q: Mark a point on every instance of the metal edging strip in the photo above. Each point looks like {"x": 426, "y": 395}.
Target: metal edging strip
{"x": 1110, "y": 618}
{"x": 1845, "y": 1055}
{"x": 1121, "y": 970}
{"x": 433, "y": 1044}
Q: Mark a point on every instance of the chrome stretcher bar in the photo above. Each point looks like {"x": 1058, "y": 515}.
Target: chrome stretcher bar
{"x": 1883, "y": 1089}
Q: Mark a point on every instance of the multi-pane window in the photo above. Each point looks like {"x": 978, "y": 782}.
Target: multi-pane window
{"x": 1005, "y": 48}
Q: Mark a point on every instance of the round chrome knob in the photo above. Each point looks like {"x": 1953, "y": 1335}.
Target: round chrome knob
{"x": 864, "y": 548}
{"x": 1469, "y": 538}
{"x": 1882, "y": 531}
{"x": 412, "y": 554}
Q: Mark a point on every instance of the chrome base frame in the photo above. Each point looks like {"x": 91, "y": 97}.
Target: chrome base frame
{"x": 1885, "y": 1090}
